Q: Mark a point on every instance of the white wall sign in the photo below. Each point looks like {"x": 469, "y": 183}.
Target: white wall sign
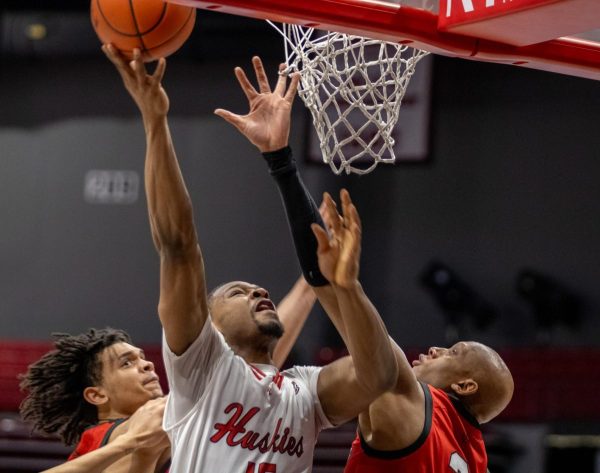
{"x": 111, "y": 187}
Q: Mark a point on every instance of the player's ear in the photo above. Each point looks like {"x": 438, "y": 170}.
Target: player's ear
{"x": 95, "y": 395}
{"x": 465, "y": 387}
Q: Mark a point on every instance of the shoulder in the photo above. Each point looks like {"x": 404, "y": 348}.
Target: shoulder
{"x": 94, "y": 437}
{"x": 303, "y": 374}
{"x": 299, "y": 371}
{"x": 203, "y": 353}
{"x": 304, "y": 380}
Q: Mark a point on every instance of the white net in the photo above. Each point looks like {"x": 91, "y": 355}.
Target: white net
{"x": 353, "y": 87}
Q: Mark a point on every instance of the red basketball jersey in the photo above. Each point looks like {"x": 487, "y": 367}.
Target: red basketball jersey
{"x": 94, "y": 437}
{"x": 451, "y": 442}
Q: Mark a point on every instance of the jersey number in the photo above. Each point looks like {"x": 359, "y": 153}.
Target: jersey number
{"x": 458, "y": 464}
{"x": 262, "y": 468}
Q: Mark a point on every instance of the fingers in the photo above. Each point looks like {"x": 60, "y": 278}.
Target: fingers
{"x": 331, "y": 216}
{"x": 157, "y": 405}
{"x": 159, "y": 72}
{"x": 322, "y": 210}
{"x": 114, "y": 55}
{"x": 353, "y": 225}
{"x": 235, "y": 120}
{"x": 247, "y": 87}
{"x": 349, "y": 211}
{"x": 282, "y": 81}
{"x": 145, "y": 425}
{"x": 261, "y": 76}
{"x": 321, "y": 236}
{"x": 138, "y": 67}
{"x": 355, "y": 219}
{"x": 345, "y": 199}
{"x": 118, "y": 60}
{"x": 293, "y": 88}
{"x": 148, "y": 410}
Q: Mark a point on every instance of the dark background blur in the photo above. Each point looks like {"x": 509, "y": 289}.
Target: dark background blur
{"x": 510, "y": 184}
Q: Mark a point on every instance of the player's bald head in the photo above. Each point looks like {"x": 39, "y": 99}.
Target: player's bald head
{"x": 494, "y": 380}
{"x": 473, "y": 372}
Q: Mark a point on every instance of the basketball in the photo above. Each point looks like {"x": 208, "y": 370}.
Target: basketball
{"x": 156, "y": 28}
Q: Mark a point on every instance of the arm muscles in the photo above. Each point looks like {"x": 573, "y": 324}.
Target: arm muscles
{"x": 293, "y": 311}
{"x": 406, "y": 383}
{"x": 373, "y": 367}
{"x": 335, "y": 381}
{"x": 98, "y": 460}
{"x": 183, "y": 306}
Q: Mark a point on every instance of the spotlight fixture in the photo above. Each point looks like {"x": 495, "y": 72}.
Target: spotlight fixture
{"x": 456, "y": 299}
{"x": 551, "y": 302}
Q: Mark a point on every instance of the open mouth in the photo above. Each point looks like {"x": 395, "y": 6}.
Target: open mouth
{"x": 265, "y": 304}
{"x": 420, "y": 361}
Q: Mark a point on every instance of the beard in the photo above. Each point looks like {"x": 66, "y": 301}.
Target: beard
{"x": 271, "y": 328}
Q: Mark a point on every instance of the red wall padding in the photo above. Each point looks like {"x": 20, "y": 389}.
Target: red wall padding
{"x": 16, "y": 356}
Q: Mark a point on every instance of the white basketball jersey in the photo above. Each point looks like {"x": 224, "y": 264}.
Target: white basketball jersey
{"x": 224, "y": 415}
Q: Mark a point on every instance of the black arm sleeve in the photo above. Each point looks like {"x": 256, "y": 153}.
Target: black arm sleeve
{"x": 300, "y": 210}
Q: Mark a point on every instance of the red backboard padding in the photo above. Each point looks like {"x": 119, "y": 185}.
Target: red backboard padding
{"x": 418, "y": 28}
{"x": 551, "y": 384}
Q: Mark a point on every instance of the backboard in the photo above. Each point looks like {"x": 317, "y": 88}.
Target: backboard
{"x": 560, "y": 36}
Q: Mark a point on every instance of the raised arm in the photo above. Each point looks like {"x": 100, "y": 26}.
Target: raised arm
{"x": 293, "y": 310}
{"x": 406, "y": 383}
{"x": 183, "y": 300}
{"x": 267, "y": 126}
{"x": 372, "y": 368}
{"x": 271, "y": 111}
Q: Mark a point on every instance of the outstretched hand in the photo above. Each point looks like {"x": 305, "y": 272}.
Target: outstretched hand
{"x": 145, "y": 89}
{"x": 267, "y": 125}
{"x": 339, "y": 251}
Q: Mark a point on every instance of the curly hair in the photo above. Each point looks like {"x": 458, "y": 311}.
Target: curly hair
{"x": 55, "y": 383}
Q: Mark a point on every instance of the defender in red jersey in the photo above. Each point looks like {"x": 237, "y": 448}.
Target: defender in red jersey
{"x": 87, "y": 387}
{"x": 95, "y": 454}
{"x": 450, "y": 441}
{"x": 430, "y": 422}
{"x": 95, "y": 437}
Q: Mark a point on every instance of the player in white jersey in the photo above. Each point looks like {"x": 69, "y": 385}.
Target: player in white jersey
{"x": 229, "y": 409}
{"x": 246, "y": 418}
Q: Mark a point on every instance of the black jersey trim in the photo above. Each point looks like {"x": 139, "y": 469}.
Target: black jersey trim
{"x": 108, "y": 433}
{"x": 403, "y": 452}
{"x": 462, "y": 410}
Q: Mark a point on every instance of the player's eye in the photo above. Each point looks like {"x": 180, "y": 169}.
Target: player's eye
{"x": 236, "y": 292}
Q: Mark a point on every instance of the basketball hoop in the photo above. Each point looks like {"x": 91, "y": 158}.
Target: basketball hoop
{"x": 353, "y": 87}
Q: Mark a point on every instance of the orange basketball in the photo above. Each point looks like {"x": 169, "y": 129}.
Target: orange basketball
{"x": 155, "y": 27}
